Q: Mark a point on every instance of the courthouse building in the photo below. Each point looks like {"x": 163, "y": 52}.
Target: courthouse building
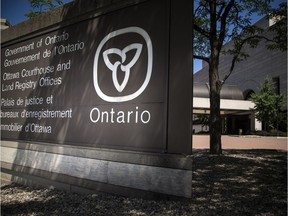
{"x": 246, "y": 78}
{"x": 4, "y": 24}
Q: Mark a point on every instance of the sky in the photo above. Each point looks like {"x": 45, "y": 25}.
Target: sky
{"x": 14, "y": 10}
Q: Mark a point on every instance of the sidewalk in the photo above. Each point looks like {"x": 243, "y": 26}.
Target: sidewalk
{"x": 242, "y": 142}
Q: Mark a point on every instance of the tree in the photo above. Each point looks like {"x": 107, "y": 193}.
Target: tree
{"x": 268, "y": 105}
{"x": 42, "y": 6}
{"x": 217, "y": 22}
{"x": 279, "y": 28}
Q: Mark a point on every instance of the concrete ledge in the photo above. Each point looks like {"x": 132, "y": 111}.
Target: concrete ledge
{"x": 238, "y": 105}
{"x": 149, "y": 159}
{"x": 74, "y": 170}
{"x": 68, "y": 183}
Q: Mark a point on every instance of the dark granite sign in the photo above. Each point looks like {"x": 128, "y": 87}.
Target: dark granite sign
{"x": 101, "y": 82}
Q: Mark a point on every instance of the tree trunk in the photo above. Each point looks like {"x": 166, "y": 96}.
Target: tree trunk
{"x": 215, "y": 123}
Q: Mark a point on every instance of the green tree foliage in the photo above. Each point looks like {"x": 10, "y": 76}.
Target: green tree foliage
{"x": 279, "y": 28}
{"x": 268, "y": 105}
{"x": 42, "y": 6}
{"x": 217, "y": 22}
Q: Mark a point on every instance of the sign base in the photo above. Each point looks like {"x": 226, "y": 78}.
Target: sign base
{"x": 113, "y": 171}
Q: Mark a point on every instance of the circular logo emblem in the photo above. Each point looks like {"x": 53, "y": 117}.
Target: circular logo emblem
{"x": 120, "y": 63}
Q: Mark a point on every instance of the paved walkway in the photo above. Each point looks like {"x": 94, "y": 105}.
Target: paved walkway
{"x": 242, "y": 142}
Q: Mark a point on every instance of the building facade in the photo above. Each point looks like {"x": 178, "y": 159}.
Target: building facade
{"x": 249, "y": 74}
{"x": 4, "y": 24}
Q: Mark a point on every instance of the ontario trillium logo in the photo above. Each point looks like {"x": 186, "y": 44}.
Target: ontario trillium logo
{"x": 125, "y": 68}
{"x": 123, "y": 64}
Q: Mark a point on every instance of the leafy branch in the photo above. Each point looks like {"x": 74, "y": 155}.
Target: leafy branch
{"x": 42, "y": 6}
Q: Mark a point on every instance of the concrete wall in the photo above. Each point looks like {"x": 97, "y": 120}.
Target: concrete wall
{"x": 85, "y": 169}
{"x": 76, "y": 169}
